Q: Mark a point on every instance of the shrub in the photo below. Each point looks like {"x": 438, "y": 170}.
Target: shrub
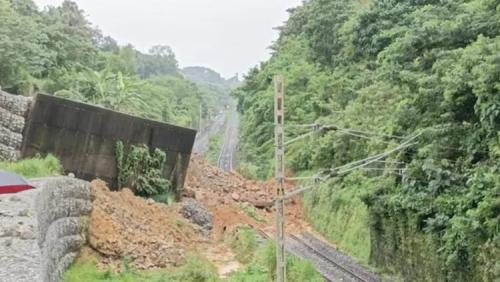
{"x": 196, "y": 269}
{"x": 141, "y": 169}
{"x": 35, "y": 167}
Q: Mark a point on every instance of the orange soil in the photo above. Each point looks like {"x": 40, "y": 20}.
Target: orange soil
{"x": 154, "y": 235}
{"x": 221, "y": 192}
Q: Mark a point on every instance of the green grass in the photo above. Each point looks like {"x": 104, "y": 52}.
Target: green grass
{"x": 167, "y": 198}
{"x": 244, "y": 243}
{"x": 199, "y": 269}
{"x": 342, "y": 217}
{"x": 196, "y": 269}
{"x": 249, "y": 170}
{"x": 34, "y": 167}
{"x": 263, "y": 268}
{"x": 251, "y": 212}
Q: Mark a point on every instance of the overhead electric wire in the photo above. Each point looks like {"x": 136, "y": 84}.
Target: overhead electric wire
{"x": 299, "y": 138}
{"x": 363, "y": 136}
{"x": 372, "y": 133}
{"x": 375, "y": 158}
{"x": 354, "y": 165}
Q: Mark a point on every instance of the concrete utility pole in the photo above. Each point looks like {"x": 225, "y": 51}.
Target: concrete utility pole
{"x": 279, "y": 135}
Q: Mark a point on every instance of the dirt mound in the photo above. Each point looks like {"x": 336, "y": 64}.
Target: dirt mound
{"x": 150, "y": 234}
{"x": 224, "y": 193}
{"x": 213, "y": 185}
{"x": 154, "y": 235}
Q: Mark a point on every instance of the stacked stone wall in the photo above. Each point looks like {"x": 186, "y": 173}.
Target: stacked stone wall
{"x": 62, "y": 206}
{"x": 13, "y": 114}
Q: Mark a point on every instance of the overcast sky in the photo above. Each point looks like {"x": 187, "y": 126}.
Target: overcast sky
{"x": 229, "y": 36}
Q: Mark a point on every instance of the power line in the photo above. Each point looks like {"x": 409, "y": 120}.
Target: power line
{"x": 353, "y": 166}
{"x": 363, "y": 136}
{"x": 378, "y": 157}
{"x": 299, "y": 138}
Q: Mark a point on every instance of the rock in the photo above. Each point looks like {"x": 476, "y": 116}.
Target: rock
{"x": 8, "y": 242}
{"x": 197, "y": 214}
{"x": 8, "y": 231}
{"x": 198, "y": 195}
{"x": 262, "y": 204}
{"x": 235, "y": 196}
{"x": 26, "y": 233}
{"x": 24, "y": 212}
{"x": 150, "y": 201}
{"x": 188, "y": 193}
{"x": 15, "y": 198}
{"x": 72, "y": 175}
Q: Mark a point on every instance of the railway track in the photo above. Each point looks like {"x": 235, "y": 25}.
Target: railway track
{"x": 330, "y": 263}
{"x": 333, "y": 265}
{"x": 226, "y": 155}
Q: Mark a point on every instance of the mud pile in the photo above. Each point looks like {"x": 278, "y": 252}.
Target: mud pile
{"x": 225, "y": 192}
{"x": 154, "y": 235}
{"x": 212, "y": 185}
{"x": 150, "y": 234}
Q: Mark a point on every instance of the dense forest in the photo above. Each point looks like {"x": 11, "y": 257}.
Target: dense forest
{"x": 390, "y": 69}
{"x": 58, "y": 51}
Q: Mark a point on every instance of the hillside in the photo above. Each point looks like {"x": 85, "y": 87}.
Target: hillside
{"x": 58, "y": 51}
{"x": 392, "y": 115}
{"x": 385, "y": 70}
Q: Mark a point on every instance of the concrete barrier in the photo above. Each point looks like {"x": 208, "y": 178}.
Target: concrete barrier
{"x": 61, "y": 206}
{"x": 83, "y": 137}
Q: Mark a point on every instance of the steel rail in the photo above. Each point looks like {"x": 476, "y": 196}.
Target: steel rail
{"x": 328, "y": 259}
{"x": 267, "y": 236}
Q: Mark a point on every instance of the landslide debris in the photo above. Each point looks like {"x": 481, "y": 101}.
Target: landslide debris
{"x": 214, "y": 186}
{"x": 226, "y": 194}
{"x": 154, "y": 235}
{"x": 149, "y": 234}
{"x": 196, "y": 213}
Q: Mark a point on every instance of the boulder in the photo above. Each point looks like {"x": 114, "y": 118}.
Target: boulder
{"x": 196, "y": 213}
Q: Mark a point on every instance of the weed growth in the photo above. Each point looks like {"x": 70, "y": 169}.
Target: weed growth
{"x": 34, "y": 167}
{"x": 244, "y": 243}
{"x": 196, "y": 269}
{"x": 252, "y": 212}
{"x": 263, "y": 268}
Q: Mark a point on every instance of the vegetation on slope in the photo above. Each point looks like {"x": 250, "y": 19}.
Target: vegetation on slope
{"x": 196, "y": 269}
{"x": 392, "y": 68}
{"x": 34, "y": 167}
{"x": 263, "y": 267}
{"x": 58, "y": 51}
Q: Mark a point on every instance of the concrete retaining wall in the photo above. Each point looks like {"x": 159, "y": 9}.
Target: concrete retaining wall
{"x": 62, "y": 206}
{"x": 13, "y": 112}
{"x": 83, "y": 137}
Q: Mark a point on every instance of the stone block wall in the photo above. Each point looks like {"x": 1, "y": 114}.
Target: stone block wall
{"x": 61, "y": 206}
{"x": 13, "y": 113}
